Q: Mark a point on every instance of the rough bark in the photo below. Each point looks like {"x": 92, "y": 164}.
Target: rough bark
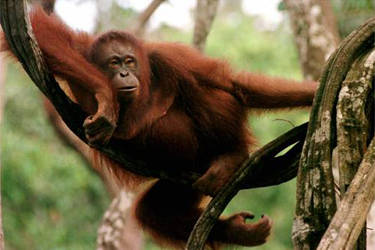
{"x": 251, "y": 167}
{"x": 118, "y": 229}
{"x": 353, "y": 125}
{"x": 348, "y": 222}
{"x": 315, "y": 33}
{"x": 315, "y": 190}
{"x": 352, "y": 136}
{"x": 204, "y": 16}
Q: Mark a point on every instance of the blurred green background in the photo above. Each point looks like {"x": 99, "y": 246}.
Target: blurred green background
{"x": 51, "y": 200}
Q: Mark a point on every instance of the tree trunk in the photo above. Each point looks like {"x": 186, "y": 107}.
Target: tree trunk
{"x": 118, "y": 229}
{"x": 329, "y": 126}
{"x": 315, "y": 33}
{"x": 205, "y": 13}
{"x": 354, "y": 158}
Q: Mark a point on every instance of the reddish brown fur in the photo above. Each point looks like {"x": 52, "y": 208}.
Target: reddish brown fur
{"x": 191, "y": 113}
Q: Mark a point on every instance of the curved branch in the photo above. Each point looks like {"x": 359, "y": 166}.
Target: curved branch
{"x": 118, "y": 229}
{"x": 17, "y": 29}
{"x": 315, "y": 190}
{"x": 250, "y": 169}
{"x": 353, "y": 130}
{"x": 347, "y": 223}
{"x": 314, "y": 44}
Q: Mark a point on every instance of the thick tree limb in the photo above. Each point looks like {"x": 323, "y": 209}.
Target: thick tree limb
{"x": 352, "y": 136}
{"x": 315, "y": 191}
{"x": 118, "y": 230}
{"x": 348, "y": 222}
{"x": 315, "y": 33}
{"x": 353, "y": 124}
{"x": 249, "y": 169}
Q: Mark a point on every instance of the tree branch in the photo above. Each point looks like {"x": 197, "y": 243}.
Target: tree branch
{"x": 19, "y": 35}
{"x": 315, "y": 190}
{"x": 251, "y": 168}
{"x": 315, "y": 33}
{"x": 352, "y": 136}
{"x": 118, "y": 229}
{"x": 348, "y": 222}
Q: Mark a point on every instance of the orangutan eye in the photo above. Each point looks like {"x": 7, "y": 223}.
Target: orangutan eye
{"x": 115, "y": 62}
{"x": 130, "y": 61}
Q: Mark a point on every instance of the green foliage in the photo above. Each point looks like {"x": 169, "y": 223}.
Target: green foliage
{"x": 119, "y": 18}
{"x": 358, "y": 4}
{"x": 52, "y": 201}
{"x": 271, "y": 53}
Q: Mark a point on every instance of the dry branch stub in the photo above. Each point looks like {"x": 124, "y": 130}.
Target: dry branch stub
{"x": 344, "y": 125}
